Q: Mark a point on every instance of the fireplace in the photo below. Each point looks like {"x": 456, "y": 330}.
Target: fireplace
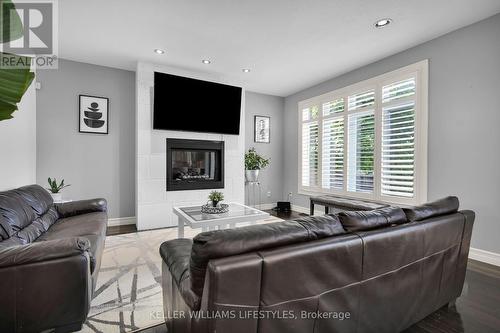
{"x": 194, "y": 164}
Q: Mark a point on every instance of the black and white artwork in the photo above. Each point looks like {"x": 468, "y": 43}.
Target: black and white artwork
{"x": 262, "y": 129}
{"x": 94, "y": 114}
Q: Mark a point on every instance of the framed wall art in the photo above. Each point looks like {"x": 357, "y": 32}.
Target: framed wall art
{"x": 262, "y": 128}
{"x": 93, "y": 114}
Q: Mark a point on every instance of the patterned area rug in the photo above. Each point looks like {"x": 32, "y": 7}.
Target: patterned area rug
{"x": 128, "y": 294}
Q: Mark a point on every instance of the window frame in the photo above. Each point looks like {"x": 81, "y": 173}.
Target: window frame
{"x": 420, "y": 71}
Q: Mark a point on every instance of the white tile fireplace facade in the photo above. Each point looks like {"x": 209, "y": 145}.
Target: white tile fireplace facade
{"x": 153, "y": 203}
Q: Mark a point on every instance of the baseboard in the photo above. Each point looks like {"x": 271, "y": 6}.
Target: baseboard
{"x": 121, "y": 221}
{"x": 487, "y": 257}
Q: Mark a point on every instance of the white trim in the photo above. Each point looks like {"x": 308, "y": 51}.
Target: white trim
{"x": 418, "y": 70}
{"x": 488, "y": 257}
{"x": 121, "y": 221}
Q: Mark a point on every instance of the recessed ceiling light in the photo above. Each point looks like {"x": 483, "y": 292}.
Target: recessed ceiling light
{"x": 159, "y": 51}
{"x": 246, "y": 70}
{"x": 206, "y": 61}
{"x": 383, "y": 23}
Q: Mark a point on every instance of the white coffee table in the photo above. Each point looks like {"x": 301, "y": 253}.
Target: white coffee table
{"x": 238, "y": 213}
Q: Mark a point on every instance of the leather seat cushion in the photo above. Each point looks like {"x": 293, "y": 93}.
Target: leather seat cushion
{"x": 91, "y": 226}
{"x": 36, "y": 197}
{"x": 80, "y": 225}
{"x": 368, "y": 220}
{"x": 442, "y": 206}
{"x": 351, "y": 204}
{"x": 228, "y": 242}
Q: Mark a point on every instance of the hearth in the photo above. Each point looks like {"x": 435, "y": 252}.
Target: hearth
{"x": 194, "y": 164}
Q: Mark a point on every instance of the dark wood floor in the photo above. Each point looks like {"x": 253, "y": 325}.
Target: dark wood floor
{"x": 476, "y": 311}
{"x": 121, "y": 229}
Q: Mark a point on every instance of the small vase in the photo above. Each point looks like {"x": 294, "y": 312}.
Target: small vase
{"x": 252, "y": 176}
{"x": 57, "y": 197}
{"x": 215, "y": 203}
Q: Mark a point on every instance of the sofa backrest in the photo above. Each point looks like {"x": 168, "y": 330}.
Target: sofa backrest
{"x": 223, "y": 243}
{"x": 386, "y": 278}
{"x": 25, "y": 213}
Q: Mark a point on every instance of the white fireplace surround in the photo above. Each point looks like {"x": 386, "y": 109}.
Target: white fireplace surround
{"x": 153, "y": 203}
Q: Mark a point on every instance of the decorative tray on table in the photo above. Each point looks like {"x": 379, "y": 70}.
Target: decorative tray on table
{"x": 220, "y": 209}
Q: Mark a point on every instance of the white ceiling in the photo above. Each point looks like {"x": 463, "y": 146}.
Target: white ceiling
{"x": 288, "y": 44}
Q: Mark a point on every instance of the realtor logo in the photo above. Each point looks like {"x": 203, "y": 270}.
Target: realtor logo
{"x": 29, "y": 29}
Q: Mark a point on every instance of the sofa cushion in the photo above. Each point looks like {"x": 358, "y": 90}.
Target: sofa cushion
{"x": 228, "y": 242}
{"x": 91, "y": 226}
{"x": 367, "y": 220}
{"x": 36, "y": 197}
{"x": 39, "y": 226}
{"x": 15, "y": 211}
{"x": 80, "y": 225}
{"x": 5, "y": 228}
{"x": 443, "y": 206}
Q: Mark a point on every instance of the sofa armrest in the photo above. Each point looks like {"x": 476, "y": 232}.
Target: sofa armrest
{"x": 45, "y": 285}
{"x": 72, "y": 208}
{"x": 42, "y": 251}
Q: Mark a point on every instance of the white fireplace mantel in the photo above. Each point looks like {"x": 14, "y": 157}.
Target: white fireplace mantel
{"x": 154, "y": 204}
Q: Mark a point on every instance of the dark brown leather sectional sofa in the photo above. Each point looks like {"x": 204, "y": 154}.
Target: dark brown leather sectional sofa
{"x": 49, "y": 259}
{"x": 369, "y": 271}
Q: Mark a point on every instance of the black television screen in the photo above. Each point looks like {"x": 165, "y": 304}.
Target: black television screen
{"x": 184, "y": 104}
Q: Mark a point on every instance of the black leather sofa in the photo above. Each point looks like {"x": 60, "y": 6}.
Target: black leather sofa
{"x": 49, "y": 259}
{"x": 363, "y": 271}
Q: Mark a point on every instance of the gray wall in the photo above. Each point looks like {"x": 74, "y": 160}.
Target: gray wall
{"x": 271, "y": 178}
{"x": 464, "y": 115}
{"x": 95, "y": 165}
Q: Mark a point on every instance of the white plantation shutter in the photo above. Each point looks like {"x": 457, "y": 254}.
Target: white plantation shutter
{"x": 362, "y": 100}
{"x": 333, "y": 153}
{"x": 361, "y": 137}
{"x": 332, "y": 107}
{"x": 310, "y": 154}
{"x": 398, "y": 139}
{"x": 368, "y": 140}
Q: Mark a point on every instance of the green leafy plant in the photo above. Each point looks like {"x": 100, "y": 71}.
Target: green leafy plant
{"x": 216, "y": 197}
{"x": 13, "y": 81}
{"x": 54, "y": 188}
{"x": 254, "y": 161}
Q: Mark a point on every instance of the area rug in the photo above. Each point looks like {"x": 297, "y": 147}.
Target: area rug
{"x": 128, "y": 293}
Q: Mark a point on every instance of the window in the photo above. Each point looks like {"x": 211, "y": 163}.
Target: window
{"x": 368, "y": 140}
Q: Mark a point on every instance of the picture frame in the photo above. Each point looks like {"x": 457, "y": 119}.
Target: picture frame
{"x": 262, "y": 129}
{"x": 93, "y": 114}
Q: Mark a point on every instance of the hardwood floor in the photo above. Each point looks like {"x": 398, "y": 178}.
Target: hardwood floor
{"x": 121, "y": 229}
{"x": 476, "y": 311}
{"x": 285, "y": 215}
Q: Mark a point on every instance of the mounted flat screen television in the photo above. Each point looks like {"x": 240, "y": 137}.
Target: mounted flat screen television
{"x": 184, "y": 104}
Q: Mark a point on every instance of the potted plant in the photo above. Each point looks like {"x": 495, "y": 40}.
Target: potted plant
{"x": 253, "y": 164}
{"x": 13, "y": 81}
{"x": 215, "y": 197}
{"x": 55, "y": 189}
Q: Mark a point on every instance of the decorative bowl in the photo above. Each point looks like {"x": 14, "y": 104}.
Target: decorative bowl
{"x": 209, "y": 209}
